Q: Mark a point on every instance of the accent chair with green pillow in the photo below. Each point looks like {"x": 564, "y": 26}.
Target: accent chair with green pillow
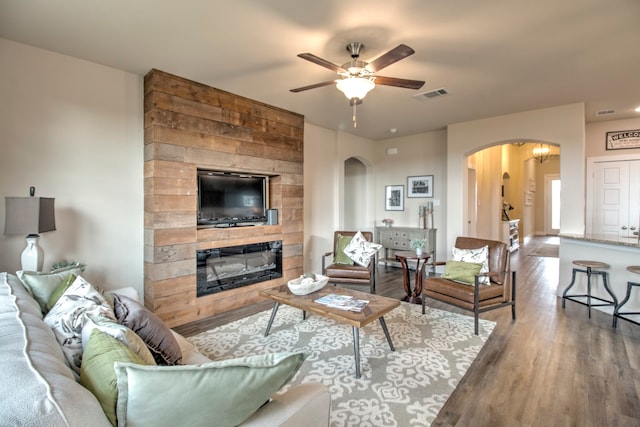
{"x": 349, "y": 272}
{"x": 500, "y": 291}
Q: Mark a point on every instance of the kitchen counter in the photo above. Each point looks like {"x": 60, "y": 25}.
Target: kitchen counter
{"x": 618, "y": 253}
{"x": 601, "y": 238}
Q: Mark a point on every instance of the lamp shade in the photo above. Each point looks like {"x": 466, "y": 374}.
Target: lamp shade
{"x": 29, "y": 215}
{"x": 355, "y": 87}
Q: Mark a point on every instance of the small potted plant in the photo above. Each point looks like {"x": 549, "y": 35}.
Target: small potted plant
{"x": 387, "y": 222}
{"x": 418, "y": 245}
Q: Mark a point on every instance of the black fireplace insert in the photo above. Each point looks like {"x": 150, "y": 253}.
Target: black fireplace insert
{"x": 221, "y": 269}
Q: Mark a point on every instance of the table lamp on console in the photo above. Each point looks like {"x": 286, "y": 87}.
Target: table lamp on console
{"x": 30, "y": 216}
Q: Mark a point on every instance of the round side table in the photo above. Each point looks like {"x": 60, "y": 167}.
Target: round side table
{"x": 413, "y": 296}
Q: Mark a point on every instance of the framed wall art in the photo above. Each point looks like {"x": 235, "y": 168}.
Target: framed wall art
{"x": 528, "y": 198}
{"x": 623, "y": 139}
{"x": 420, "y": 186}
{"x": 394, "y": 198}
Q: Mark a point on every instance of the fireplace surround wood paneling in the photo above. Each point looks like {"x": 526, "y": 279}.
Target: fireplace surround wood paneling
{"x": 189, "y": 125}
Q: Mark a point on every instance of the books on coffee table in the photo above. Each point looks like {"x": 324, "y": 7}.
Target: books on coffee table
{"x": 343, "y": 302}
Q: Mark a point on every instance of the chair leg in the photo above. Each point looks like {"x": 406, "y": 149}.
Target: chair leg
{"x": 513, "y": 295}
{"x": 424, "y": 300}
{"x": 476, "y": 304}
{"x": 573, "y": 281}
{"x": 475, "y": 326}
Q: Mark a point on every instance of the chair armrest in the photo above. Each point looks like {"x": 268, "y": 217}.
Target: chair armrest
{"x": 324, "y": 256}
{"x": 432, "y": 267}
{"x": 498, "y": 274}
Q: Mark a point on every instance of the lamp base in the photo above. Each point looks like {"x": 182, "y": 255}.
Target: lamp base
{"x": 33, "y": 255}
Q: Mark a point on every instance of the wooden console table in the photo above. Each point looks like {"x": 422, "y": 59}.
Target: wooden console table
{"x": 395, "y": 239}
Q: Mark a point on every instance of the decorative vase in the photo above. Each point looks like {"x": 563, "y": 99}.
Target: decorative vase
{"x": 418, "y": 251}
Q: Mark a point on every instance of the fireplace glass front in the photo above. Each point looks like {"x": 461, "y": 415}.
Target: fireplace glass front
{"x": 221, "y": 269}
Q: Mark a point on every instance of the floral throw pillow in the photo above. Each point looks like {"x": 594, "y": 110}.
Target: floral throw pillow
{"x": 360, "y": 250}
{"x": 68, "y": 316}
{"x": 480, "y": 255}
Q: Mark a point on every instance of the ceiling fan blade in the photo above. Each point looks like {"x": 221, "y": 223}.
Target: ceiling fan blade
{"x": 313, "y": 86}
{"x": 393, "y": 81}
{"x": 394, "y": 55}
{"x": 322, "y": 62}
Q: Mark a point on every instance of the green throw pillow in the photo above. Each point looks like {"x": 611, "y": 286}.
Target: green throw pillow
{"x": 463, "y": 272}
{"x": 340, "y": 257}
{"x": 97, "y": 373}
{"x": 42, "y": 285}
{"x": 59, "y": 290}
{"x": 223, "y": 393}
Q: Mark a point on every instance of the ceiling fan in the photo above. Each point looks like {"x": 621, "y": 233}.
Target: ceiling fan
{"x": 357, "y": 78}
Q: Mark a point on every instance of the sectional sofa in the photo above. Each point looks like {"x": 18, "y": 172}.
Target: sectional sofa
{"x": 39, "y": 388}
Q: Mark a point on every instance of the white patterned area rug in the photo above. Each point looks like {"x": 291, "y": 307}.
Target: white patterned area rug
{"x": 406, "y": 387}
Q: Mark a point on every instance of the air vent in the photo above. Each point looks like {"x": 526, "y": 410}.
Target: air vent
{"x": 436, "y": 93}
{"x": 605, "y": 112}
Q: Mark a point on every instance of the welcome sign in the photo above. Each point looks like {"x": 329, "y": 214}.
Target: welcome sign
{"x": 623, "y": 139}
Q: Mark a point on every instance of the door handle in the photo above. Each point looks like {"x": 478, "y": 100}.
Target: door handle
{"x": 624, "y": 227}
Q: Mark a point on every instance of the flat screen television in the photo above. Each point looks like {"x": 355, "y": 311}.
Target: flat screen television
{"x": 231, "y": 199}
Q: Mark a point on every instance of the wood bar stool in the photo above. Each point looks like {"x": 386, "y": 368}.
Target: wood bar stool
{"x": 590, "y": 268}
{"x": 617, "y": 313}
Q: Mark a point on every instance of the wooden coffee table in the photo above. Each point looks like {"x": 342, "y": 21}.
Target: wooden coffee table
{"x": 378, "y": 306}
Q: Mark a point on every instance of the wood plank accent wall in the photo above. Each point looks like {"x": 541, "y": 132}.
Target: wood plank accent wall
{"x": 188, "y": 125}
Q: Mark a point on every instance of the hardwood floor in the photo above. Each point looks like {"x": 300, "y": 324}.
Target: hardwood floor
{"x": 551, "y": 367}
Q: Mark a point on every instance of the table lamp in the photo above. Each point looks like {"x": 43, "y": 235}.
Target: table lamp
{"x": 30, "y": 216}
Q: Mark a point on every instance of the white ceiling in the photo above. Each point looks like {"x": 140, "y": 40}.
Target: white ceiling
{"x": 494, "y": 56}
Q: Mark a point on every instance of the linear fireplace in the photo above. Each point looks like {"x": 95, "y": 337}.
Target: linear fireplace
{"x": 231, "y": 267}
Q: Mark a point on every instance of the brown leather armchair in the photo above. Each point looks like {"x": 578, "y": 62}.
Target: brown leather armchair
{"x": 499, "y": 292}
{"x": 349, "y": 274}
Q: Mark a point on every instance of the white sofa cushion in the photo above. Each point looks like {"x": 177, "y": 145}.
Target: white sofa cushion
{"x": 37, "y": 387}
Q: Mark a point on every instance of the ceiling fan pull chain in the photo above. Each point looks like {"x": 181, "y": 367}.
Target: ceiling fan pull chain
{"x": 355, "y": 124}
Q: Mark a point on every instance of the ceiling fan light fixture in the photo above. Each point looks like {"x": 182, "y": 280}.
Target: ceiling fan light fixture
{"x": 541, "y": 152}
{"x": 355, "y": 87}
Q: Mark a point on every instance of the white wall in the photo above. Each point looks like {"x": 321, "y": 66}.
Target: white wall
{"x": 74, "y": 130}
{"x": 325, "y": 153}
{"x": 321, "y": 171}
{"x": 348, "y": 146}
{"x": 415, "y": 155}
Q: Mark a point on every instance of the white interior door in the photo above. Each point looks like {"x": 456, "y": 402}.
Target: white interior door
{"x": 552, "y": 204}
{"x": 611, "y": 201}
{"x": 634, "y": 198}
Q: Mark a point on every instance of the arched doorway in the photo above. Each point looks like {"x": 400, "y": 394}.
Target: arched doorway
{"x": 507, "y": 176}
{"x": 355, "y": 202}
